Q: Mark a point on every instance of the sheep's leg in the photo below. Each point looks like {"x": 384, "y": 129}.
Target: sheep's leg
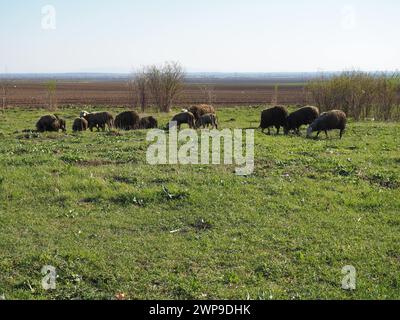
{"x": 278, "y": 128}
{"x": 318, "y": 134}
{"x": 341, "y": 133}
{"x": 326, "y": 134}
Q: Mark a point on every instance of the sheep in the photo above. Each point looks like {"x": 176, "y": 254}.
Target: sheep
{"x": 50, "y": 123}
{"x": 206, "y": 120}
{"x": 184, "y": 117}
{"x": 302, "y": 116}
{"x": 148, "y": 123}
{"x": 275, "y": 116}
{"x": 201, "y": 110}
{"x": 128, "y": 120}
{"x": 98, "y": 120}
{"x": 80, "y": 124}
{"x": 327, "y": 121}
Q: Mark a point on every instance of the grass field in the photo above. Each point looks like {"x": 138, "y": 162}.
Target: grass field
{"x": 89, "y": 205}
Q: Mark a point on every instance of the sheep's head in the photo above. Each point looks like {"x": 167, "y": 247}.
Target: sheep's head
{"x": 83, "y": 114}
{"x": 286, "y": 130}
{"x": 63, "y": 125}
{"x": 309, "y": 131}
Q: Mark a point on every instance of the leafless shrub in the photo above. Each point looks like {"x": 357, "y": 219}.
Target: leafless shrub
{"x": 275, "y": 96}
{"x": 387, "y": 89}
{"x": 4, "y": 93}
{"x": 132, "y": 93}
{"x": 165, "y": 83}
{"x": 51, "y": 87}
{"x": 358, "y": 94}
{"x": 138, "y": 89}
{"x": 208, "y": 93}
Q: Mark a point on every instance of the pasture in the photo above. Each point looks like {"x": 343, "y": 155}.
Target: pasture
{"x": 89, "y": 205}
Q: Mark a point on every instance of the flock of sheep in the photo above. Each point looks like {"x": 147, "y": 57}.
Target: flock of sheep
{"x": 203, "y": 116}
{"x": 196, "y": 117}
{"x": 279, "y": 117}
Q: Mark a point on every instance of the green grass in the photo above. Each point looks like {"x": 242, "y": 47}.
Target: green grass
{"x": 89, "y": 205}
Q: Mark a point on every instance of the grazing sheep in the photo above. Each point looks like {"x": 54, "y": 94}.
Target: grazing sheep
{"x": 184, "y": 117}
{"x": 273, "y": 117}
{"x": 303, "y": 116}
{"x": 327, "y": 121}
{"x": 207, "y": 120}
{"x": 128, "y": 120}
{"x": 80, "y": 124}
{"x": 148, "y": 123}
{"x": 98, "y": 120}
{"x": 201, "y": 110}
{"x": 50, "y": 123}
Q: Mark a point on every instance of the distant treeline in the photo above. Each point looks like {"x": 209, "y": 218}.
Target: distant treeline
{"x": 361, "y": 95}
{"x": 190, "y": 77}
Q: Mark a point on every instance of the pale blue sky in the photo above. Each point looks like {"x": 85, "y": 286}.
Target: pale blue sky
{"x": 207, "y": 35}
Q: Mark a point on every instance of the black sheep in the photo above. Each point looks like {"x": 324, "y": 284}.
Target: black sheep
{"x": 80, "y": 124}
{"x": 327, "y": 121}
{"x": 303, "y": 116}
{"x": 148, "y": 123}
{"x": 98, "y": 120}
{"x": 273, "y": 117}
{"x": 184, "y": 117}
{"x": 50, "y": 123}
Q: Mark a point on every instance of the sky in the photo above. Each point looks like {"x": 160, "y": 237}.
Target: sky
{"x": 204, "y": 35}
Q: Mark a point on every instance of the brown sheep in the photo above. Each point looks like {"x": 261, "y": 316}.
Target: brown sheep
{"x": 327, "y": 121}
{"x": 128, "y": 120}
{"x": 302, "y": 116}
{"x": 98, "y": 120}
{"x": 184, "y": 117}
{"x": 80, "y": 124}
{"x": 50, "y": 123}
{"x": 206, "y": 120}
{"x": 148, "y": 123}
{"x": 275, "y": 116}
{"x": 201, "y": 110}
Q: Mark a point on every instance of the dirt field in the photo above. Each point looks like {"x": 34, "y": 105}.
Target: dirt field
{"x": 115, "y": 93}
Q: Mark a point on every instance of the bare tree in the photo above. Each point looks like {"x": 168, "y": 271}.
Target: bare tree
{"x": 4, "y": 93}
{"x": 208, "y": 93}
{"x": 140, "y": 82}
{"x": 165, "y": 82}
{"x": 132, "y": 93}
{"x": 51, "y": 87}
{"x": 4, "y": 83}
{"x": 387, "y": 88}
{"x": 274, "y": 100}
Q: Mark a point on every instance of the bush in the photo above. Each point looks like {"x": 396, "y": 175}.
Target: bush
{"x": 360, "y": 94}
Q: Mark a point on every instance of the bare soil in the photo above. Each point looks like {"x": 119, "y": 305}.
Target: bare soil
{"x": 116, "y": 93}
